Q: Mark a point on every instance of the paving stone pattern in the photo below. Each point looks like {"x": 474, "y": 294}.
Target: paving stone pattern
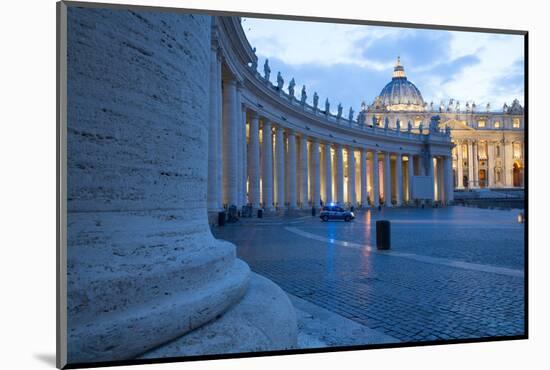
{"x": 407, "y": 299}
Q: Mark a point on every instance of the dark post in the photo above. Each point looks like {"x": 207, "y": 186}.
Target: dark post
{"x": 383, "y": 241}
{"x": 313, "y": 211}
{"x": 221, "y": 218}
{"x": 260, "y": 213}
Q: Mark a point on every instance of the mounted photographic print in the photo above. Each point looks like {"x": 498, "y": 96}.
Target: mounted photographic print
{"x": 234, "y": 185}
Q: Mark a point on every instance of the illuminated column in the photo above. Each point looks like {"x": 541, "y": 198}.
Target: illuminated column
{"x": 279, "y": 168}
{"x": 254, "y": 161}
{"x": 315, "y": 174}
{"x": 459, "y": 169}
{"x": 267, "y": 166}
{"x": 352, "y": 197}
{"x": 339, "y": 183}
{"x": 291, "y": 137}
{"x": 448, "y": 179}
{"x": 508, "y": 163}
{"x": 491, "y": 163}
{"x": 230, "y": 143}
{"x": 364, "y": 179}
{"x": 470, "y": 165}
{"x": 476, "y": 164}
{"x": 410, "y": 175}
{"x": 375, "y": 180}
{"x": 398, "y": 179}
{"x": 430, "y": 170}
{"x": 239, "y": 153}
{"x": 387, "y": 180}
{"x": 244, "y": 172}
{"x": 214, "y": 135}
{"x": 328, "y": 173}
{"x": 303, "y": 172}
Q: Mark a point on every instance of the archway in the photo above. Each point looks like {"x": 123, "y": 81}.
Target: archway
{"x": 482, "y": 178}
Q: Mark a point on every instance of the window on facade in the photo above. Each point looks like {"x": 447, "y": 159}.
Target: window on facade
{"x": 482, "y": 150}
{"x": 497, "y": 149}
{"x": 515, "y": 123}
{"x": 497, "y": 124}
{"x": 516, "y": 150}
{"x": 481, "y": 123}
{"x": 464, "y": 151}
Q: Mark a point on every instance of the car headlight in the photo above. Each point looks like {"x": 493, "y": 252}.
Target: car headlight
{"x": 352, "y": 214}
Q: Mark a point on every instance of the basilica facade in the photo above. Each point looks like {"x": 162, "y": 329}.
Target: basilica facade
{"x": 488, "y": 145}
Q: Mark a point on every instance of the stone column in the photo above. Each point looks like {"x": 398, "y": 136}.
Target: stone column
{"x": 279, "y": 168}
{"x": 430, "y": 171}
{"x": 508, "y": 163}
{"x": 244, "y": 150}
{"x": 490, "y": 163}
{"x": 219, "y": 145}
{"x": 143, "y": 269}
{"x": 292, "y": 169}
{"x": 448, "y": 179}
{"x": 352, "y": 196}
{"x": 254, "y": 161}
{"x": 476, "y": 164}
{"x": 470, "y": 165}
{"x": 214, "y": 135}
{"x": 267, "y": 166}
{"x": 339, "y": 178}
{"x": 242, "y": 165}
{"x": 315, "y": 174}
{"x": 239, "y": 153}
{"x": 387, "y": 180}
{"x": 410, "y": 175}
{"x": 303, "y": 166}
{"x": 364, "y": 179}
{"x": 459, "y": 169}
{"x": 328, "y": 173}
{"x": 375, "y": 180}
{"x": 398, "y": 179}
{"x": 230, "y": 147}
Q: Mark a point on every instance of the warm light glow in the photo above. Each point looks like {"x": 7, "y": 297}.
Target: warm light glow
{"x": 515, "y": 123}
{"x": 481, "y": 123}
{"x": 517, "y": 150}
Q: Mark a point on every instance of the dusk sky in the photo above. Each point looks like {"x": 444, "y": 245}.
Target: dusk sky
{"x": 352, "y": 63}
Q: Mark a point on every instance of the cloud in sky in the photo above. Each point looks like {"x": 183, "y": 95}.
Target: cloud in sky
{"x": 352, "y": 63}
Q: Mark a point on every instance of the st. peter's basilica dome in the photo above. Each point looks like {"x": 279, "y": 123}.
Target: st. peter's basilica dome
{"x": 399, "y": 94}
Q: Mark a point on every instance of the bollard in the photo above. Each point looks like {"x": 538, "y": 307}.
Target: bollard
{"x": 221, "y": 218}
{"x": 260, "y": 213}
{"x": 383, "y": 235}
{"x": 313, "y": 211}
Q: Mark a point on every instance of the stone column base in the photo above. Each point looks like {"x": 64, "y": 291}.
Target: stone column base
{"x": 263, "y": 320}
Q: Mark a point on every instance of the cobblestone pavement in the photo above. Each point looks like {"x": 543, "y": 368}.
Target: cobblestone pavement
{"x": 414, "y": 292}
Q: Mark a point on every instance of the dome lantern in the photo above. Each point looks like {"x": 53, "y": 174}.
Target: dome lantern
{"x": 399, "y": 70}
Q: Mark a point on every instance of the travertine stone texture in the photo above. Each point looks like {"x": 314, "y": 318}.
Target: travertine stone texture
{"x": 241, "y": 329}
{"x": 143, "y": 267}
